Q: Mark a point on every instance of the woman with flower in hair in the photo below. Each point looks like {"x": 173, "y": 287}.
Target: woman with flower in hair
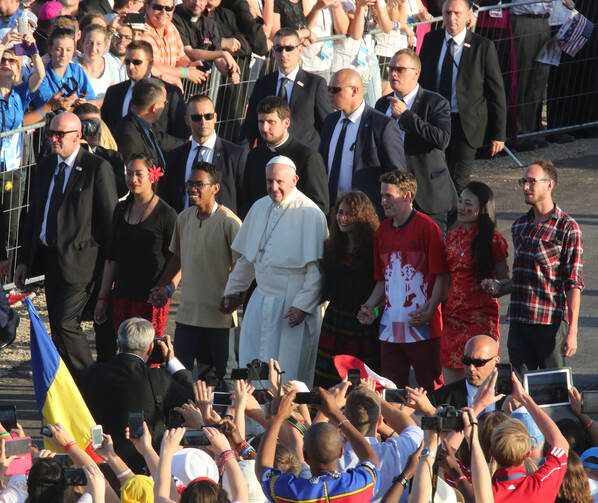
{"x": 142, "y": 227}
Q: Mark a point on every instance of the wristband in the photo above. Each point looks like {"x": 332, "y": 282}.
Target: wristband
{"x": 169, "y": 290}
{"x": 242, "y": 446}
{"x": 458, "y": 479}
{"x": 376, "y": 312}
{"x": 122, "y": 474}
{"x": 246, "y": 451}
{"x": 69, "y": 445}
{"x": 42, "y": 113}
{"x": 5, "y": 434}
{"x": 401, "y": 480}
{"x": 588, "y": 425}
{"x": 340, "y": 423}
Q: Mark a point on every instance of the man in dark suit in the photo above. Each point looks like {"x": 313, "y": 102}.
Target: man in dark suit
{"x": 274, "y": 118}
{"x": 135, "y": 134}
{"x": 358, "y": 143}
{"x": 424, "y": 118}
{"x": 228, "y": 158}
{"x": 479, "y": 361}
{"x": 304, "y": 92}
{"x": 126, "y": 384}
{"x": 464, "y": 68}
{"x": 170, "y": 129}
{"x": 67, "y": 227}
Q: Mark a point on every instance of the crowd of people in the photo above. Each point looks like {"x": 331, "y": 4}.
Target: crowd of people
{"x": 340, "y": 218}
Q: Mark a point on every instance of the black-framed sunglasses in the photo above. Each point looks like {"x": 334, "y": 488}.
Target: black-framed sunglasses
{"x": 134, "y": 62}
{"x": 199, "y": 117}
{"x": 399, "y": 69}
{"x": 160, "y": 8}
{"x": 336, "y": 89}
{"x": 286, "y": 48}
{"x": 197, "y": 185}
{"x": 476, "y": 362}
{"x": 59, "y": 134}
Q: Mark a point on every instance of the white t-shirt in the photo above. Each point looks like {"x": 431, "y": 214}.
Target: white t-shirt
{"x": 593, "y": 489}
{"x": 110, "y": 75}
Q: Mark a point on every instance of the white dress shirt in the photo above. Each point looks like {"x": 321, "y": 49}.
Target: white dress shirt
{"x": 129, "y": 95}
{"x": 392, "y": 455}
{"x": 345, "y": 179}
{"x": 290, "y": 83}
{"x": 471, "y": 393}
{"x": 535, "y": 9}
{"x": 459, "y": 41}
{"x": 70, "y": 161}
{"x": 207, "y": 156}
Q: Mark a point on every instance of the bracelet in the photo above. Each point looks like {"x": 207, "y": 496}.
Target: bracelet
{"x": 246, "y": 451}
{"x": 122, "y": 474}
{"x": 242, "y": 446}
{"x": 42, "y": 113}
{"x": 588, "y": 425}
{"x": 340, "y": 423}
{"x": 458, "y": 479}
{"x": 376, "y": 312}
{"x": 298, "y": 425}
{"x": 69, "y": 445}
{"x": 169, "y": 290}
{"x": 401, "y": 480}
{"x": 5, "y": 434}
{"x": 397, "y": 25}
{"x": 184, "y": 72}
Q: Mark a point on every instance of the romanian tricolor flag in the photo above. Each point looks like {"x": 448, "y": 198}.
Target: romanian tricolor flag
{"x": 58, "y": 398}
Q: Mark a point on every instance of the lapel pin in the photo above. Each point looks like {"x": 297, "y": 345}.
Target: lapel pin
{"x": 466, "y": 45}
{"x": 78, "y": 168}
{"x": 299, "y": 83}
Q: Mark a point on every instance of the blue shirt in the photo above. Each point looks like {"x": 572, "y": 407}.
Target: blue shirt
{"x": 356, "y": 485}
{"x": 53, "y": 83}
{"x": 12, "y": 109}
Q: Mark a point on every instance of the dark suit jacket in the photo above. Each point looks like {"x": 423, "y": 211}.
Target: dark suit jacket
{"x": 313, "y": 181}
{"x": 118, "y": 167}
{"x": 250, "y": 27}
{"x": 93, "y": 6}
{"x": 230, "y": 161}
{"x": 131, "y": 139}
{"x": 454, "y": 394}
{"x": 84, "y": 216}
{"x": 170, "y": 129}
{"x": 378, "y": 149}
{"x": 309, "y": 107}
{"x": 114, "y": 388}
{"x": 427, "y": 127}
{"x": 480, "y": 91}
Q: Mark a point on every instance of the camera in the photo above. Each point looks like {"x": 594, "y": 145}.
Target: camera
{"x": 448, "y": 419}
{"x": 89, "y": 128}
{"x": 257, "y": 370}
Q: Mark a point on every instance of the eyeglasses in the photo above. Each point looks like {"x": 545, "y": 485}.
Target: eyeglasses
{"x": 400, "y": 69}
{"x": 8, "y": 61}
{"x": 60, "y": 134}
{"x": 123, "y": 37}
{"x": 476, "y": 362}
{"x": 531, "y": 181}
{"x": 160, "y": 8}
{"x": 336, "y": 89}
{"x": 199, "y": 117}
{"x": 135, "y": 62}
{"x": 286, "y": 48}
{"x": 196, "y": 185}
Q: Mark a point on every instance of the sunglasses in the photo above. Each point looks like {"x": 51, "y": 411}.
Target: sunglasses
{"x": 123, "y": 37}
{"x": 400, "y": 69}
{"x": 336, "y": 89}
{"x": 199, "y": 117}
{"x": 59, "y": 134}
{"x": 8, "y": 61}
{"x": 286, "y": 48}
{"x": 160, "y": 8}
{"x": 197, "y": 185}
{"x": 135, "y": 62}
{"x": 476, "y": 362}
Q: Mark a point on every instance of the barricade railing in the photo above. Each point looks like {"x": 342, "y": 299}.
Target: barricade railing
{"x": 567, "y": 103}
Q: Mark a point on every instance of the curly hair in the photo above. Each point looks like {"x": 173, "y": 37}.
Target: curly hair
{"x": 365, "y": 223}
{"x": 575, "y": 487}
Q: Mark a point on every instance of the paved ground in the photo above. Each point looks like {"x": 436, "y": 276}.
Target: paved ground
{"x": 576, "y": 194}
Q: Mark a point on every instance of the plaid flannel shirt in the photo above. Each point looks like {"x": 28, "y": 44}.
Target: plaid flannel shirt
{"x": 548, "y": 263}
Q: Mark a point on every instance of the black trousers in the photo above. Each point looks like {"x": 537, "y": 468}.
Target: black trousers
{"x": 460, "y": 155}
{"x": 66, "y": 303}
{"x": 533, "y": 346}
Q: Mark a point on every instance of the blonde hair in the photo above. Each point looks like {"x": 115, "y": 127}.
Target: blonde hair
{"x": 510, "y": 443}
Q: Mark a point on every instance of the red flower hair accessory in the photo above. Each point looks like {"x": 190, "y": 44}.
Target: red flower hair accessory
{"x": 155, "y": 173}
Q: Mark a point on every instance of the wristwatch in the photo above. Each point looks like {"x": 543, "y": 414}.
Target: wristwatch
{"x": 401, "y": 480}
{"x": 427, "y": 452}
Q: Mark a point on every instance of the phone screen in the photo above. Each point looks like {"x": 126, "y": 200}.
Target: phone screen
{"x": 195, "y": 438}
{"x": 136, "y": 424}
{"x": 18, "y": 446}
{"x": 354, "y": 377}
{"x": 504, "y": 382}
{"x": 219, "y": 398}
{"x": 74, "y": 477}
{"x": 97, "y": 439}
{"x": 395, "y": 395}
{"x": 589, "y": 402}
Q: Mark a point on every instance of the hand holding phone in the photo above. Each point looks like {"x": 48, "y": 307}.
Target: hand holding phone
{"x": 136, "y": 419}
{"x": 504, "y": 382}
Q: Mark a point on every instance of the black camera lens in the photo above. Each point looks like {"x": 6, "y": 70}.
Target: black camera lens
{"x": 89, "y": 127}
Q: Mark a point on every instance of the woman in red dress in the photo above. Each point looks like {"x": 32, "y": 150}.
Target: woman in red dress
{"x": 474, "y": 251}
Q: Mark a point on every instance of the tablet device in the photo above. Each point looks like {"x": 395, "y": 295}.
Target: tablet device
{"x": 549, "y": 388}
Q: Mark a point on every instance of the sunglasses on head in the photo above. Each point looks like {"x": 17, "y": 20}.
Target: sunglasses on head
{"x": 476, "y": 362}
{"x": 198, "y": 117}
{"x": 336, "y": 89}
{"x": 286, "y": 48}
{"x": 135, "y": 62}
{"x": 159, "y": 8}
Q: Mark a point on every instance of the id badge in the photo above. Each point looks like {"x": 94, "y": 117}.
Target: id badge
{"x": 362, "y": 56}
{"x": 495, "y": 13}
{"x": 326, "y": 50}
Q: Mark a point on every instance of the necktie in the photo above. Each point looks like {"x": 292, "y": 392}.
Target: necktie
{"x": 282, "y": 90}
{"x": 55, "y": 200}
{"x": 157, "y": 149}
{"x": 445, "y": 86}
{"x": 199, "y": 157}
{"x": 335, "y": 168}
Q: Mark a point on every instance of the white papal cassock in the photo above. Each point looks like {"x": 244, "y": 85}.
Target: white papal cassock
{"x": 280, "y": 245}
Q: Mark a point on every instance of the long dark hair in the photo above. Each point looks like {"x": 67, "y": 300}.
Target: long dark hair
{"x": 481, "y": 245}
{"x": 365, "y": 223}
{"x": 46, "y": 484}
{"x": 575, "y": 487}
{"x": 204, "y": 491}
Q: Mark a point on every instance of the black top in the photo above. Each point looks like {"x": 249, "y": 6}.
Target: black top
{"x": 201, "y": 33}
{"x": 346, "y": 288}
{"x": 140, "y": 250}
{"x": 291, "y": 14}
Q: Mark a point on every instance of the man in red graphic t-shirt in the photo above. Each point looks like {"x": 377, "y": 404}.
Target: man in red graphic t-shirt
{"x": 412, "y": 279}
